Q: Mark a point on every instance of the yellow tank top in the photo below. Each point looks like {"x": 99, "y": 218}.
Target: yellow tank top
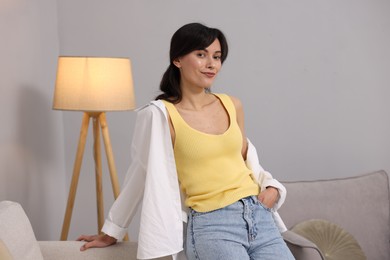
{"x": 211, "y": 170}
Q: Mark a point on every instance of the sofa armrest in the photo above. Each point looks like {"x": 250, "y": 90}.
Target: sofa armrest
{"x": 64, "y": 250}
{"x": 301, "y": 248}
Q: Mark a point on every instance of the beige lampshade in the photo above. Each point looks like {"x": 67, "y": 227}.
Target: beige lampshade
{"x": 94, "y": 84}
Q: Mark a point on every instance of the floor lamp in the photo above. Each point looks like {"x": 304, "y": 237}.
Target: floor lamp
{"x": 93, "y": 85}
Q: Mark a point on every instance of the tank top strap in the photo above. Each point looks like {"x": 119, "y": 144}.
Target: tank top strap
{"x": 173, "y": 113}
{"x": 228, "y": 104}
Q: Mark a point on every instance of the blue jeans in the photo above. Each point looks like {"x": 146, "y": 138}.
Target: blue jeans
{"x": 240, "y": 231}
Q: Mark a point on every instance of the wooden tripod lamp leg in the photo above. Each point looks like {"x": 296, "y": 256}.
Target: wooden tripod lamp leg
{"x": 98, "y": 118}
{"x": 98, "y": 173}
{"x": 109, "y": 154}
{"x": 110, "y": 158}
{"x": 75, "y": 176}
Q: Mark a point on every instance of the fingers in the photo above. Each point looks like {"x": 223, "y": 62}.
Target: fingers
{"x": 261, "y": 197}
{"x": 88, "y": 245}
{"x": 96, "y": 241}
{"x": 91, "y": 241}
{"x": 83, "y": 247}
{"x": 85, "y": 238}
{"x": 268, "y": 198}
{"x": 81, "y": 238}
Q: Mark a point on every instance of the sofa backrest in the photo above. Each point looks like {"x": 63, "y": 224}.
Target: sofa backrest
{"x": 360, "y": 205}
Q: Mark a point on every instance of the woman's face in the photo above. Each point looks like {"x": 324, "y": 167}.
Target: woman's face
{"x": 199, "y": 68}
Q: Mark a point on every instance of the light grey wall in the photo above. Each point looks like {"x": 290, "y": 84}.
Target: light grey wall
{"x": 313, "y": 76}
{"x": 32, "y": 157}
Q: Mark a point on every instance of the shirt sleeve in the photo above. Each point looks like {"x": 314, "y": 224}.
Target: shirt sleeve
{"x": 126, "y": 205}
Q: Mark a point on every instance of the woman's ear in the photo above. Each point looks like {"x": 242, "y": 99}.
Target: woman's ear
{"x": 176, "y": 62}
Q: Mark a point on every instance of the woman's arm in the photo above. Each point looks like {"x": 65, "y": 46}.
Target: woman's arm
{"x": 240, "y": 121}
{"x": 125, "y": 206}
{"x": 270, "y": 195}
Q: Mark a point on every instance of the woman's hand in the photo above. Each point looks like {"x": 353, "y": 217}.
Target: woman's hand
{"x": 269, "y": 196}
{"x": 96, "y": 241}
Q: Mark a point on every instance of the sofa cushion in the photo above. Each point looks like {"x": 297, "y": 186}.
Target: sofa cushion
{"x": 16, "y": 232}
{"x": 333, "y": 241}
{"x": 5, "y": 254}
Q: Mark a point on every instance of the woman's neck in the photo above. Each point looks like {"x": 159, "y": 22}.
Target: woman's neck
{"x": 195, "y": 100}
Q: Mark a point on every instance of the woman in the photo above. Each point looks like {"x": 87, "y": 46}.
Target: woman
{"x": 229, "y": 213}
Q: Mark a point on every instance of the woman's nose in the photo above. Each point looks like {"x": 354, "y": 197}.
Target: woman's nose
{"x": 211, "y": 63}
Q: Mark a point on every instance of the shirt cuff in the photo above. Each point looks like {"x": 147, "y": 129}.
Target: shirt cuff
{"x": 113, "y": 230}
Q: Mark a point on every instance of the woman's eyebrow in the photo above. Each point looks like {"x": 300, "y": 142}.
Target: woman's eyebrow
{"x": 208, "y": 51}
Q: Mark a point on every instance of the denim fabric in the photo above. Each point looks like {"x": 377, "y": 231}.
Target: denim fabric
{"x": 240, "y": 231}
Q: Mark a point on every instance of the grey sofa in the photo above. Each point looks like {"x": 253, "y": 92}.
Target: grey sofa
{"x": 360, "y": 205}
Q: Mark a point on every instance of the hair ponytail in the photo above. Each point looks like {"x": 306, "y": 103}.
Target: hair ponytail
{"x": 170, "y": 85}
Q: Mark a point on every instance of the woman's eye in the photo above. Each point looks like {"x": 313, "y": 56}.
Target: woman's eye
{"x": 217, "y": 57}
{"x": 200, "y": 55}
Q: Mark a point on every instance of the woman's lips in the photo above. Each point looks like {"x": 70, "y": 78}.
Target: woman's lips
{"x": 209, "y": 74}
